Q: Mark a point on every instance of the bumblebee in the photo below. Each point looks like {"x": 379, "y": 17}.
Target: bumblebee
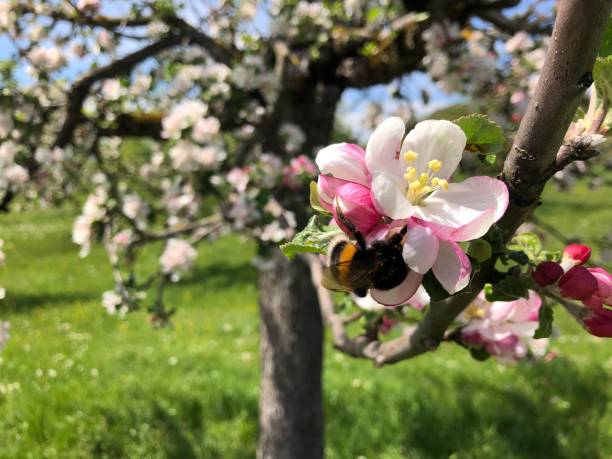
{"x": 357, "y": 267}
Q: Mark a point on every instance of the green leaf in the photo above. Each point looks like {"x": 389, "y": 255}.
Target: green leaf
{"x": 528, "y": 243}
{"x": 488, "y": 160}
{"x": 480, "y": 249}
{"x": 510, "y": 288}
{"x": 606, "y": 45}
{"x": 602, "y": 75}
{"x": 315, "y": 202}
{"x": 433, "y": 287}
{"x": 546, "y": 318}
{"x": 314, "y": 238}
{"x": 495, "y": 238}
{"x": 483, "y": 134}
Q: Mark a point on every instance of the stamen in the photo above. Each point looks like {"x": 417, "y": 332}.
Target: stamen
{"x": 424, "y": 178}
{"x": 435, "y": 165}
{"x": 442, "y": 183}
{"x": 410, "y": 174}
{"x": 410, "y": 156}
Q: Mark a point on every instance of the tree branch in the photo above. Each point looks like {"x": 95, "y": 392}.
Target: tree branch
{"x": 80, "y": 89}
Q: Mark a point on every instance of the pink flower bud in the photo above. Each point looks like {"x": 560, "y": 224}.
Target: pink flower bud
{"x": 578, "y": 283}
{"x": 576, "y": 254}
{"x": 546, "y": 273}
{"x": 599, "y": 323}
{"x": 603, "y": 293}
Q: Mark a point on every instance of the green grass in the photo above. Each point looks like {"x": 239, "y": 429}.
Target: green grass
{"x": 75, "y": 382}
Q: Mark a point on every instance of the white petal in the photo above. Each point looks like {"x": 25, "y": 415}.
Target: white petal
{"x": 452, "y": 268}
{"x": 420, "y": 249}
{"x": 344, "y": 161}
{"x": 382, "y": 151}
{"x": 436, "y": 139}
{"x": 388, "y": 195}
{"x": 400, "y": 294}
{"x": 467, "y": 209}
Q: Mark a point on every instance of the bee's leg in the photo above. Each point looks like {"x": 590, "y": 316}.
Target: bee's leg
{"x": 361, "y": 292}
{"x": 404, "y": 230}
{"x": 361, "y": 242}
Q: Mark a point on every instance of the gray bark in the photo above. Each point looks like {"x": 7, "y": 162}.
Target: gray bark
{"x": 291, "y": 334}
{"x": 291, "y": 329}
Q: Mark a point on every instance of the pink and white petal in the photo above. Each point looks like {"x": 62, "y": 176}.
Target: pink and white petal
{"x": 467, "y": 210}
{"x": 327, "y": 187}
{"x": 344, "y": 161}
{"x": 526, "y": 310}
{"x": 382, "y": 151}
{"x": 436, "y": 139}
{"x": 398, "y": 295}
{"x": 501, "y": 310}
{"x": 452, "y": 267}
{"x": 420, "y": 249}
{"x": 389, "y": 198}
{"x": 420, "y": 299}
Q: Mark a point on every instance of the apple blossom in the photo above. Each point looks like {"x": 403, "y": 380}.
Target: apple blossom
{"x": 598, "y": 323}
{"x": 88, "y": 5}
{"x": 112, "y": 302}
{"x": 503, "y": 328}
{"x": 182, "y": 116}
{"x": 178, "y": 256}
{"x": 47, "y": 58}
{"x": 410, "y": 181}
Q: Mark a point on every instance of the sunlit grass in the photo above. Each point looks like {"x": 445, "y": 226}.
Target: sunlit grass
{"x": 75, "y": 382}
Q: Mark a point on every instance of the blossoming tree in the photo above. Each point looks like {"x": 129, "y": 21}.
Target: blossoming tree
{"x": 178, "y": 123}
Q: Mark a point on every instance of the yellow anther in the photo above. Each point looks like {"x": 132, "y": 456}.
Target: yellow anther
{"x": 410, "y": 174}
{"x": 435, "y": 181}
{"x": 424, "y": 178}
{"x": 410, "y": 156}
{"x": 415, "y": 187}
{"x": 443, "y": 184}
{"x": 435, "y": 165}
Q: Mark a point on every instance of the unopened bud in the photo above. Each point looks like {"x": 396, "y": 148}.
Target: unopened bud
{"x": 578, "y": 283}
{"x": 575, "y": 255}
{"x": 546, "y": 273}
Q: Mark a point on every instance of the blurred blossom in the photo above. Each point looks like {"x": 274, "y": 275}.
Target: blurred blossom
{"x": 504, "y": 328}
{"x": 88, "y": 5}
{"x": 111, "y": 89}
{"x": 6, "y": 125}
{"x": 47, "y": 58}
{"x": 178, "y": 256}
{"x": 182, "y": 116}
{"x": 112, "y": 302}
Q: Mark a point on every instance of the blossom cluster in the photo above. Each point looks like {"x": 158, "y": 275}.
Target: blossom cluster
{"x": 504, "y": 329}
{"x": 592, "y": 286}
{"x": 404, "y": 182}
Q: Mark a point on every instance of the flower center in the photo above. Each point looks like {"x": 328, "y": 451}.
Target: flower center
{"x": 475, "y": 312}
{"x": 426, "y": 183}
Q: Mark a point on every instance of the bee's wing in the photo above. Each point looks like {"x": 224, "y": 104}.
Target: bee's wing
{"x": 330, "y": 282}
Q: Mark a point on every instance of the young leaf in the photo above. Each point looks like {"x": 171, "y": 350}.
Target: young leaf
{"x": 480, "y": 249}
{"x": 483, "y": 135}
{"x": 510, "y": 288}
{"x": 546, "y": 318}
{"x": 315, "y": 202}
{"x": 606, "y": 45}
{"x": 314, "y": 238}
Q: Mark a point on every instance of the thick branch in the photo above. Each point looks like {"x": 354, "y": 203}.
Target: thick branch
{"x": 81, "y": 87}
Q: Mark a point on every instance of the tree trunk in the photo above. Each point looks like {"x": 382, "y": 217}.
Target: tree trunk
{"x": 291, "y": 411}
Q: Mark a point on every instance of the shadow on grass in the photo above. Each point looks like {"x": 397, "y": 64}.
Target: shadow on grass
{"x": 23, "y": 303}
{"x": 549, "y": 411}
{"x": 181, "y": 422}
{"x": 221, "y": 276}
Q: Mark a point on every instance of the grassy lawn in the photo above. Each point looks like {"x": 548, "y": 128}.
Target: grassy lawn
{"x": 75, "y": 382}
